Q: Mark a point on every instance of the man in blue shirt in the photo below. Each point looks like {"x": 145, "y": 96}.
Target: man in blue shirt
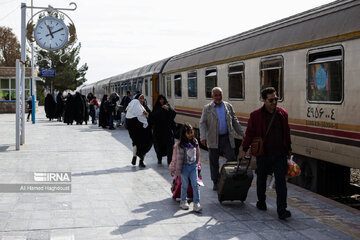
{"x": 218, "y": 125}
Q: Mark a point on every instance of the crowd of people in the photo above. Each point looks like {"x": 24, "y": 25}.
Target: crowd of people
{"x": 218, "y": 127}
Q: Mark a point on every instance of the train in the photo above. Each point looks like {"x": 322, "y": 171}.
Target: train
{"x": 312, "y": 59}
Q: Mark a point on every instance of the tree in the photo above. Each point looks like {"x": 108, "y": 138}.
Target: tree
{"x": 68, "y": 75}
{"x": 9, "y": 47}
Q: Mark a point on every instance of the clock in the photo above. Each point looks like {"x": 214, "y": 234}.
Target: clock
{"x": 51, "y": 33}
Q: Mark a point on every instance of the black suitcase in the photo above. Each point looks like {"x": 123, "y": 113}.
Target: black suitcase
{"x": 235, "y": 181}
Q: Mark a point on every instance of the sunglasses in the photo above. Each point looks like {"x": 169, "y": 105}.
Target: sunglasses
{"x": 273, "y": 99}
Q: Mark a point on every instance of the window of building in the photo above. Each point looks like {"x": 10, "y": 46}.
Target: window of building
{"x": 168, "y": 86}
{"x": 210, "y": 81}
{"x": 325, "y": 75}
{"x": 236, "y": 81}
{"x": 192, "y": 84}
{"x": 8, "y": 89}
{"x": 271, "y": 72}
{"x": 177, "y": 86}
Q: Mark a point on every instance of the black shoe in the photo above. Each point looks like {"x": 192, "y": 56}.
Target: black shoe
{"x": 261, "y": 206}
{"x": 111, "y": 128}
{"x": 215, "y": 188}
{"x": 133, "y": 161}
{"x": 141, "y": 164}
{"x": 284, "y": 214}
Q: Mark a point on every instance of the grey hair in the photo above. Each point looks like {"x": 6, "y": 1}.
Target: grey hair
{"x": 216, "y": 89}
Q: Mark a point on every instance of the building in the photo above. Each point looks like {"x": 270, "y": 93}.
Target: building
{"x": 8, "y": 88}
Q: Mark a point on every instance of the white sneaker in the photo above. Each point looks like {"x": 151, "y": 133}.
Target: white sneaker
{"x": 197, "y": 207}
{"x": 184, "y": 205}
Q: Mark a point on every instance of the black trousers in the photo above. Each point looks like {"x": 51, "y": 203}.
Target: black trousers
{"x": 29, "y": 114}
{"x": 214, "y": 154}
{"x": 278, "y": 165}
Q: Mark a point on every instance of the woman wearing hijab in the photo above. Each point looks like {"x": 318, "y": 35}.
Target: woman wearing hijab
{"x": 103, "y": 116}
{"x": 59, "y": 106}
{"x": 139, "y": 129}
{"x": 163, "y": 128}
{"x": 69, "y": 109}
{"x": 50, "y": 107}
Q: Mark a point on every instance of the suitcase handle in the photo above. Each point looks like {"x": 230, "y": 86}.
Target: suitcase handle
{"x": 248, "y": 158}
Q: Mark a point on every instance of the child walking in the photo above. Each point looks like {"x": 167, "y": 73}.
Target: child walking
{"x": 185, "y": 160}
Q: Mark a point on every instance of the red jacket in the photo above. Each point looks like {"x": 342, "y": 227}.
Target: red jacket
{"x": 257, "y": 126}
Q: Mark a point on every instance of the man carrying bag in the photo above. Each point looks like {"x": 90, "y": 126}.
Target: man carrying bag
{"x": 268, "y": 134}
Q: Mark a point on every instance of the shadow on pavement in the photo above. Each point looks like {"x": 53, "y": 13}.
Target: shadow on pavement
{"x": 105, "y": 171}
{"x": 157, "y": 211}
{"x": 4, "y": 148}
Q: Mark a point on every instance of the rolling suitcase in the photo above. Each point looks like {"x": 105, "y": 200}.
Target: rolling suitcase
{"x": 235, "y": 181}
{"x": 176, "y": 188}
{"x": 176, "y": 185}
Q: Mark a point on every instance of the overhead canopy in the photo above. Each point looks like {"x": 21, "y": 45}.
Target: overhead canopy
{"x": 327, "y": 22}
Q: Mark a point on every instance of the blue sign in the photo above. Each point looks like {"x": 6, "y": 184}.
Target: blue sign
{"x": 47, "y": 72}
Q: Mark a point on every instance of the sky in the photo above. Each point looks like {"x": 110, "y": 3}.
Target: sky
{"x": 117, "y": 36}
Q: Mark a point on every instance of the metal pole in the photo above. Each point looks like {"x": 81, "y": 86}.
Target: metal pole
{"x": 22, "y": 84}
{"x": 33, "y": 82}
{"x": 17, "y": 105}
{"x": 23, "y": 104}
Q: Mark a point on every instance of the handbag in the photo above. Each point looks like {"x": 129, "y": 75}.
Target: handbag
{"x": 257, "y": 145}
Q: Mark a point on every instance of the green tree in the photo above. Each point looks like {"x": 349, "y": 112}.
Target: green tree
{"x": 68, "y": 75}
{"x": 9, "y": 47}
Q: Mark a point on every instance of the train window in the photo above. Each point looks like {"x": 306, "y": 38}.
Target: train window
{"x": 146, "y": 88}
{"x": 177, "y": 86}
{"x": 210, "y": 81}
{"x": 168, "y": 86}
{"x": 236, "y": 81}
{"x": 192, "y": 84}
{"x": 271, "y": 72}
{"x": 325, "y": 75}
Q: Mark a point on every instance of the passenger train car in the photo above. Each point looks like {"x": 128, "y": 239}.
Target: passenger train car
{"x": 313, "y": 61}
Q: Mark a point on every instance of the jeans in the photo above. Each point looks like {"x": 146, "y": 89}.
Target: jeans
{"x": 111, "y": 121}
{"x": 214, "y": 153}
{"x": 279, "y": 166}
{"x": 190, "y": 171}
{"x": 92, "y": 114}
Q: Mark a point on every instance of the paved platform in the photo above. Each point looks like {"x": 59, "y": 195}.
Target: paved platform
{"x": 110, "y": 199}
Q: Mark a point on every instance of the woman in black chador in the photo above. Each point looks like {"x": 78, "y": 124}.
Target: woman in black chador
{"x": 86, "y": 109}
{"x": 50, "y": 107}
{"x": 69, "y": 109}
{"x": 59, "y": 106}
{"x": 103, "y": 116}
{"x": 139, "y": 129}
{"x": 79, "y": 105}
{"x": 163, "y": 128}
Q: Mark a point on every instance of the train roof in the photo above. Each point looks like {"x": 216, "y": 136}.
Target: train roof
{"x": 336, "y": 21}
{"x": 150, "y": 69}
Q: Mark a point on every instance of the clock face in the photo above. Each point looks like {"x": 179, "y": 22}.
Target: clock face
{"x": 51, "y": 33}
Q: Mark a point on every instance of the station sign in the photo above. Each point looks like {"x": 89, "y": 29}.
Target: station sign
{"x": 47, "y": 72}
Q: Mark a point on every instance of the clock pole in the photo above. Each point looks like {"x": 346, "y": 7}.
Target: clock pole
{"x": 20, "y": 77}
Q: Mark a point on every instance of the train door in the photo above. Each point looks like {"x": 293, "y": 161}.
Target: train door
{"x": 155, "y": 88}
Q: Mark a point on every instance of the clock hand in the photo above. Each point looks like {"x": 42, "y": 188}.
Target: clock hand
{"x": 50, "y": 33}
{"x": 55, "y": 32}
{"x": 58, "y": 30}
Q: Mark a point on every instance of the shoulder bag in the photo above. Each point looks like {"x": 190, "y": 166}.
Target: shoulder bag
{"x": 257, "y": 145}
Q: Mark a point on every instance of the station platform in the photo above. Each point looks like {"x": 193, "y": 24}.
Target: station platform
{"x": 111, "y": 199}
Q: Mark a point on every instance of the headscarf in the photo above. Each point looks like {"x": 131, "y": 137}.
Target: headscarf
{"x": 138, "y": 95}
{"x": 158, "y": 104}
{"x": 135, "y": 109}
